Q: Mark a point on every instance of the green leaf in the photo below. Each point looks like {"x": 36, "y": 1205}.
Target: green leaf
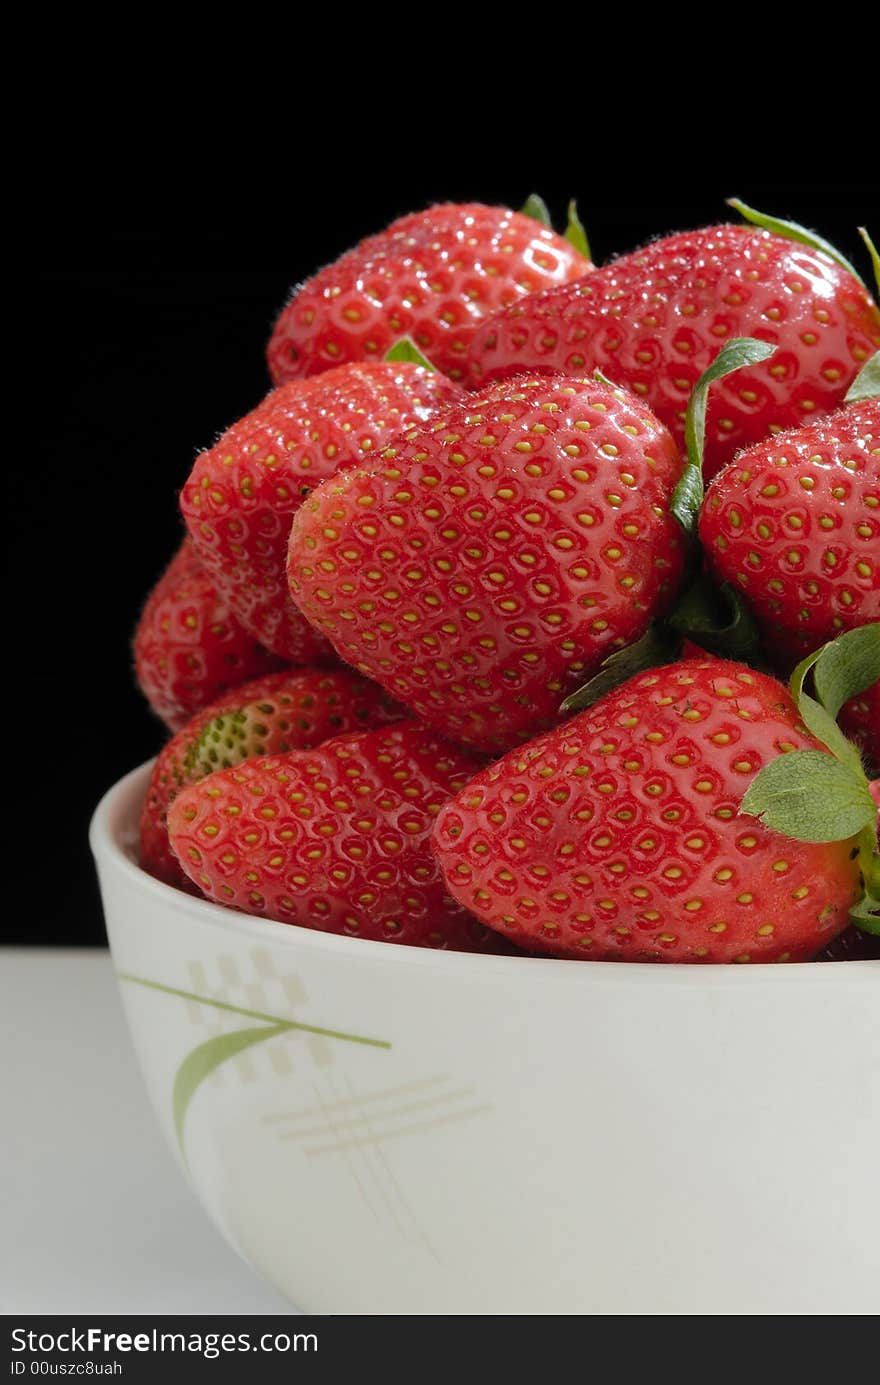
{"x": 688, "y": 494}
{"x": 575, "y": 233}
{"x": 841, "y": 668}
{"x": 536, "y": 208}
{"x": 811, "y": 797}
{"x": 866, "y": 915}
{"x": 406, "y": 350}
{"x": 826, "y": 729}
{"x": 798, "y": 677}
{"x": 847, "y": 666}
{"x": 655, "y": 647}
{"x": 203, "y": 1060}
{"x": 718, "y": 619}
{"x": 873, "y": 252}
{"x": 866, "y": 385}
{"x": 792, "y": 231}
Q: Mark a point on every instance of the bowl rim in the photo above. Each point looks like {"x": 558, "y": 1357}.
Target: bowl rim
{"x": 113, "y": 832}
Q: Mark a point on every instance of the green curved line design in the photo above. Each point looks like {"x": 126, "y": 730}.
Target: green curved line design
{"x": 203, "y": 1060}
{"x": 209, "y": 1055}
{"x": 254, "y": 1014}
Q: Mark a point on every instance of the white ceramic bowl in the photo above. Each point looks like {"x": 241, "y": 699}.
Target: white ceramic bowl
{"x": 386, "y": 1130}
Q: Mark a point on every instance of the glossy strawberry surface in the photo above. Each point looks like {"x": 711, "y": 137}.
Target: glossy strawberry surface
{"x": 488, "y": 562}
{"x": 189, "y": 645}
{"x": 655, "y": 319}
{"x": 794, "y": 523}
{"x": 295, "y": 709}
{"x": 618, "y": 836}
{"x": 432, "y": 276}
{"x": 242, "y": 494}
{"x": 335, "y": 839}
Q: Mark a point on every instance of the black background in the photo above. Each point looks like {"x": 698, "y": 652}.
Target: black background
{"x": 148, "y": 342}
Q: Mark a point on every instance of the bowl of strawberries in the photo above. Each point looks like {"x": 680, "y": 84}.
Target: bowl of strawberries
{"x": 531, "y": 622}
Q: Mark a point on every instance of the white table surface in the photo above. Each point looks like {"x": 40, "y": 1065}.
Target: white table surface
{"x": 95, "y": 1216}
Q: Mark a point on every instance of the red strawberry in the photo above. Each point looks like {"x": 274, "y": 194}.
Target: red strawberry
{"x": 655, "y": 319}
{"x": 619, "y": 835}
{"x": 242, "y": 494}
{"x": 291, "y": 710}
{"x": 491, "y": 560}
{"x": 188, "y": 646}
{"x": 432, "y": 276}
{"x": 335, "y": 838}
{"x": 794, "y": 523}
{"x": 860, "y": 719}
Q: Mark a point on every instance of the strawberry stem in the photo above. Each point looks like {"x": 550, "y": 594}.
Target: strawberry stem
{"x": 792, "y": 230}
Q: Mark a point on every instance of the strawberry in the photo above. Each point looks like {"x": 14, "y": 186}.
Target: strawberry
{"x": 655, "y": 319}
{"x": 432, "y": 276}
{"x": 794, "y": 523}
{"x": 295, "y": 709}
{"x": 860, "y": 720}
{"x": 621, "y": 835}
{"x": 335, "y": 838}
{"x": 243, "y": 492}
{"x": 188, "y": 646}
{"x": 489, "y": 560}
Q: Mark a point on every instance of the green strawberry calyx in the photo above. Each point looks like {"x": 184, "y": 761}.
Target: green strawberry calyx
{"x": 715, "y": 618}
{"x": 406, "y": 350}
{"x": 873, "y": 252}
{"x": 816, "y": 797}
{"x": 718, "y": 619}
{"x": 575, "y": 233}
{"x": 687, "y": 497}
{"x": 658, "y": 645}
{"x": 792, "y": 230}
{"x": 866, "y": 385}
{"x": 535, "y": 207}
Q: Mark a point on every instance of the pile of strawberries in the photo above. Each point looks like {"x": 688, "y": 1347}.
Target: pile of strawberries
{"x": 475, "y": 637}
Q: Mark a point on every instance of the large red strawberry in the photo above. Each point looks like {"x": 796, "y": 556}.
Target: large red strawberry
{"x": 794, "y": 523}
{"x": 489, "y": 561}
{"x": 335, "y": 838}
{"x": 621, "y": 835}
{"x": 189, "y": 646}
{"x": 243, "y": 492}
{"x": 295, "y": 709}
{"x": 432, "y": 276}
{"x": 655, "y": 319}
